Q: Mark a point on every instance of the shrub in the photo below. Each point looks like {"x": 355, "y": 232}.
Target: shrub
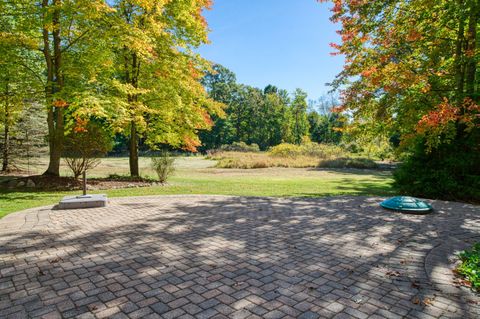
{"x": 308, "y": 149}
{"x": 351, "y": 147}
{"x": 243, "y": 160}
{"x": 83, "y": 149}
{"x": 470, "y": 266}
{"x": 371, "y": 147}
{"x": 286, "y": 150}
{"x": 449, "y": 172}
{"x": 323, "y": 150}
{"x": 163, "y": 165}
{"x": 240, "y": 147}
{"x": 361, "y": 163}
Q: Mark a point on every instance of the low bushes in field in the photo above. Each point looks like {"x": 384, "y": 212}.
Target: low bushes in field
{"x": 260, "y": 160}
{"x": 240, "y": 147}
{"x": 359, "y": 162}
{"x": 308, "y": 149}
{"x": 293, "y": 156}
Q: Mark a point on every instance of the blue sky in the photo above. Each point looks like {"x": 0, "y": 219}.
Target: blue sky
{"x": 279, "y": 42}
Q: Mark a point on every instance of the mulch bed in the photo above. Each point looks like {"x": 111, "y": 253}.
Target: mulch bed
{"x": 55, "y": 183}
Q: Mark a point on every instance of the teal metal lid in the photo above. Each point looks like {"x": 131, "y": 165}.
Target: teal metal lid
{"x": 407, "y": 204}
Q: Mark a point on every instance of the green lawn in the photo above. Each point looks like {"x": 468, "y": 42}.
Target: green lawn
{"x": 197, "y": 176}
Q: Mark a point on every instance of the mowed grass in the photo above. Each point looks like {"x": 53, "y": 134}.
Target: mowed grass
{"x": 195, "y": 175}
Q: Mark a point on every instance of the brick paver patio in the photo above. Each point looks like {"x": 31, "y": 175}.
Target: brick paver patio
{"x": 235, "y": 257}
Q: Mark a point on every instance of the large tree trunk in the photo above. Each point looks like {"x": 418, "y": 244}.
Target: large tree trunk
{"x": 132, "y": 78}
{"x": 55, "y": 84}
{"x": 133, "y": 148}
{"x": 6, "y": 132}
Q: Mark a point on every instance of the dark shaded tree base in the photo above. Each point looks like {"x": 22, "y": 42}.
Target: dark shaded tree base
{"x": 451, "y": 172}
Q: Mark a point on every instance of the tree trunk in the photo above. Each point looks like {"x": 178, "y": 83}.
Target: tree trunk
{"x": 6, "y": 132}
{"x": 132, "y": 78}
{"x": 55, "y": 84}
{"x": 459, "y": 65}
{"x": 133, "y": 148}
{"x": 471, "y": 65}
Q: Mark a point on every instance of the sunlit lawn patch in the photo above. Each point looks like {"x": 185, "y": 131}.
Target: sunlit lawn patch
{"x": 193, "y": 176}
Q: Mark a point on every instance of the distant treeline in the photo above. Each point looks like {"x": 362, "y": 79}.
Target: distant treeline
{"x": 267, "y": 117}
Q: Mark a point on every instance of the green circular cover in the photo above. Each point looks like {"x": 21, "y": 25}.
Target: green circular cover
{"x": 405, "y": 203}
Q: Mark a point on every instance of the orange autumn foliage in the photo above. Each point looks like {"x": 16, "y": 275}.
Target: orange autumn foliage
{"x": 60, "y": 103}
{"x": 190, "y": 144}
{"x": 80, "y": 125}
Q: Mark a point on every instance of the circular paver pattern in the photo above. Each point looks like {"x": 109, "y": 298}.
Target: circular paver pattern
{"x": 235, "y": 257}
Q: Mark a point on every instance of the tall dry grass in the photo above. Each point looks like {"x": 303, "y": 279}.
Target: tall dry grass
{"x": 260, "y": 160}
{"x": 293, "y": 156}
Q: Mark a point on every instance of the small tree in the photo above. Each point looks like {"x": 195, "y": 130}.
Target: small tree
{"x": 84, "y": 146}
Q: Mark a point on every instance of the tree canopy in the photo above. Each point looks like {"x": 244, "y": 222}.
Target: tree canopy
{"x": 266, "y": 117}
{"x": 411, "y": 71}
{"x": 128, "y": 62}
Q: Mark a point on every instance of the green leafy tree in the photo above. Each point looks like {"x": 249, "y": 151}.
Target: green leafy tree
{"x": 300, "y": 124}
{"x": 30, "y": 132}
{"x": 326, "y": 126}
{"x": 266, "y": 118}
{"x": 18, "y": 86}
{"x": 12, "y": 104}
{"x": 275, "y": 114}
{"x": 411, "y": 70}
{"x": 65, "y": 37}
{"x": 221, "y": 86}
{"x": 157, "y": 84}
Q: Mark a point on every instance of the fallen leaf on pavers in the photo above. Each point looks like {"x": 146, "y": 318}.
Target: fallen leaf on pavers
{"x": 348, "y": 267}
{"x": 416, "y": 300}
{"x": 462, "y": 282}
{"x": 55, "y": 260}
{"x": 92, "y": 307}
{"x": 415, "y": 285}
{"x": 427, "y": 301}
{"x": 357, "y": 299}
{"x": 392, "y": 273}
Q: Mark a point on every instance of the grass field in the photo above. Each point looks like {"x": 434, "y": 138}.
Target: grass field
{"x": 196, "y": 175}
